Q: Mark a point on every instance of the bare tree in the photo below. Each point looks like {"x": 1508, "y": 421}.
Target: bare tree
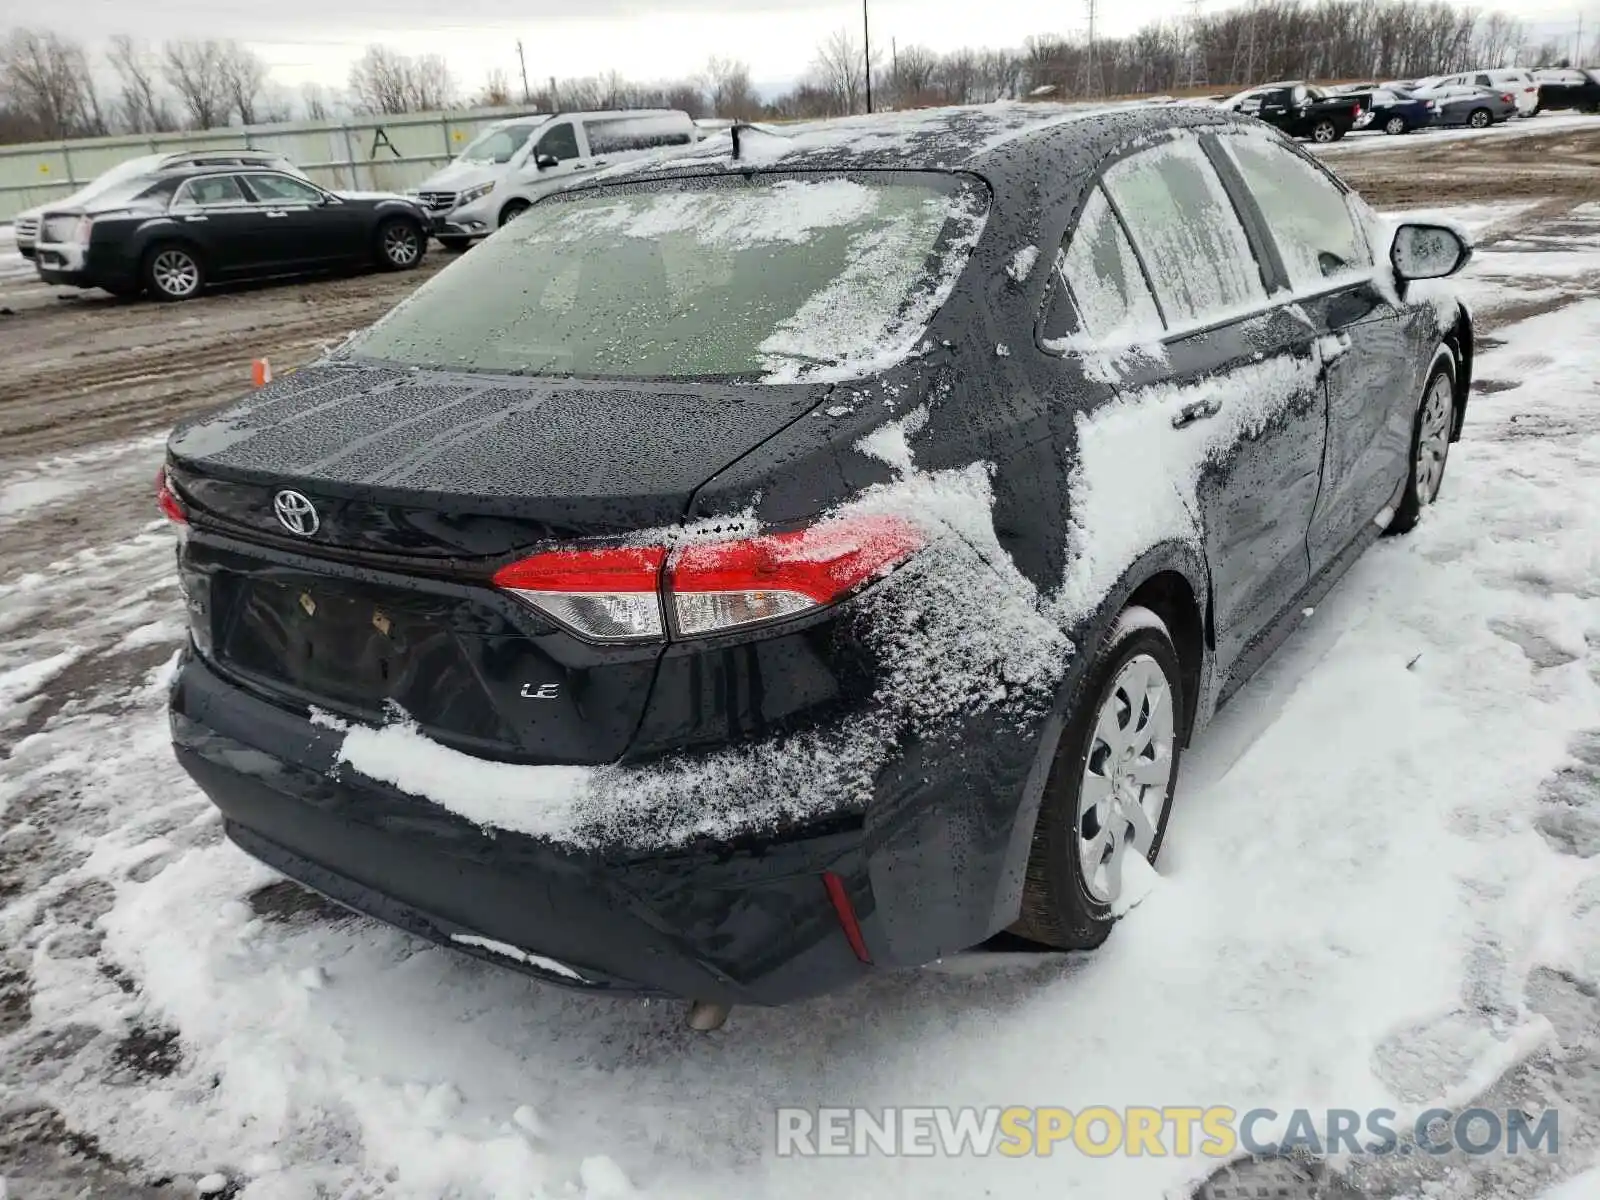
{"x": 837, "y": 71}
{"x": 432, "y": 85}
{"x": 726, "y": 83}
{"x": 381, "y": 81}
{"x": 45, "y": 79}
{"x": 196, "y": 71}
{"x": 911, "y": 78}
{"x": 314, "y": 101}
{"x": 496, "y": 91}
{"x": 142, "y": 108}
{"x": 243, "y": 74}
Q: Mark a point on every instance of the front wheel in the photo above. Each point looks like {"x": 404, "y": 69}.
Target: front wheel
{"x": 1110, "y": 786}
{"x": 1395, "y": 126}
{"x": 400, "y": 244}
{"x": 1430, "y": 448}
{"x": 1481, "y": 118}
{"x": 512, "y": 210}
{"x": 173, "y": 272}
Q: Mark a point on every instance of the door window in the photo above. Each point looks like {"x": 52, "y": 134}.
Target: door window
{"x": 1097, "y": 272}
{"x": 211, "y": 192}
{"x": 560, "y": 142}
{"x": 1310, "y": 218}
{"x": 1183, "y": 224}
{"x": 280, "y": 189}
{"x": 617, "y": 135}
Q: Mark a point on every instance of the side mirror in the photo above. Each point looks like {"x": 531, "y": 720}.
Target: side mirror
{"x": 545, "y": 161}
{"x": 1427, "y": 252}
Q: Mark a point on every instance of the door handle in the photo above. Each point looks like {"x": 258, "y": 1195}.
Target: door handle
{"x": 277, "y": 213}
{"x": 197, "y": 218}
{"x": 1197, "y": 410}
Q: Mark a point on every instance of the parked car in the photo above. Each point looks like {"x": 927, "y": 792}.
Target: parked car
{"x": 719, "y": 582}
{"x": 171, "y": 233}
{"x": 1300, "y": 110}
{"x": 1563, "y": 89}
{"x": 1394, "y": 112}
{"x": 25, "y": 225}
{"x": 513, "y": 161}
{"x": 1518, "y": 83}
{"x": 1476, "y": 107}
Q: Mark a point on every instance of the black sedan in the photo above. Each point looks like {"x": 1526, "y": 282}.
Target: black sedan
{"x": 170, "y": 233}
{"x": 746, "y": 573}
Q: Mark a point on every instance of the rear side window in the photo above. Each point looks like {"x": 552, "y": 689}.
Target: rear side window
{"x": 1097, "y": 270}
{"x": 1308, "y": 215}
{"x": 1184, "y": 226}
{"x": 621, "y": 134}
{"x": 213, "y": 191}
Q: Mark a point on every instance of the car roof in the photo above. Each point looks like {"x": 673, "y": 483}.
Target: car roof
{"x": 260, "y": 155}
{"x": 996, "y": 141}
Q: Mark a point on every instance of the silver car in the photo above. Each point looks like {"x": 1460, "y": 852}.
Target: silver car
{"x": 1474, "y": 107}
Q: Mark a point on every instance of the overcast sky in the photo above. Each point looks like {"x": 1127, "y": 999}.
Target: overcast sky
{"x": 315, "y": 40}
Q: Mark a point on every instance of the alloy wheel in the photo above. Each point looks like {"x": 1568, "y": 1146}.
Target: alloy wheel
{"x": 1396, "y": 125}
{"x": 1433, "y": 439}
{"x": 175, "y": 272}
{"x": 1480, "y": 119}
{"x": 401, "y": 245}
{"x": 1126, "y": 775}
{"x": 1324, "y": 132}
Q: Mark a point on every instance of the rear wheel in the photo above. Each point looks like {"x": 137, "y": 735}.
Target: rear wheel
{"x": 1325, "y": 132}
{"x": 1430, "y": 447}
{"x": 1396, "y": 125}
{"x": 512, "y": 210}
{"x": 400, "y": 244}
{"x": 173, "y": 272}
{"x": 1110, "y": 787}
{"x": 1480, "y": 118}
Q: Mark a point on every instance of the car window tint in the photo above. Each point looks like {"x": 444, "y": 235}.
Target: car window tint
{"x": 283, "y": 190}
{"x": 1097, "y": 271}
{"x": 212, "y": 191}
{"x": 1184, "y": 225}
{"x": 560, "y": 142}
{"x": 1308, "y": 215}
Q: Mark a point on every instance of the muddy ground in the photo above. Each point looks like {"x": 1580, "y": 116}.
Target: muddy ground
{"x": 80, "y": 371}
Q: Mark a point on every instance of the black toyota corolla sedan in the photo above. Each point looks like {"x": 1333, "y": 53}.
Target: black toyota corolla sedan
{"x": 172, "y": 232}
{"x": 807, "y": 555}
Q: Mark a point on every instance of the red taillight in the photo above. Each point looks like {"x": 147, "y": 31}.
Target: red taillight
{"x": 721, "y": 585}
{"x": 167, "y": 500}
{"x": 1509, "y": 99}
{"x": 839, "y": 897}
{"x": 608, "y": 595}
{"x": 615, "y": 594}
{"x": 1357, "y": 110}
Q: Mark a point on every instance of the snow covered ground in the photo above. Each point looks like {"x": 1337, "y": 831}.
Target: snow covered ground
{"x": 12, "y": 264}
{"x": 1381, "y": 888}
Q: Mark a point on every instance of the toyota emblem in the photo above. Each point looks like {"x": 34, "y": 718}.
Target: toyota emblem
{"x": 295, "y": 513}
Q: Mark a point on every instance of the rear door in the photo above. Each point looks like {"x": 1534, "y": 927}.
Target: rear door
{"x": 216, "y": 213}
{"x": 1325, "y": 265}
{"x": 1233, "y": 387}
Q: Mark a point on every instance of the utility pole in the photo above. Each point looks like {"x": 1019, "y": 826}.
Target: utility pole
{"x": 894, "y": 72}
{"x": 1577, "y": 45}
{"x": 1093, "y": 83}
{"x": 866, "y": 52}
{"x": 523, "y": 63}
{"x": 1195, "y": 74}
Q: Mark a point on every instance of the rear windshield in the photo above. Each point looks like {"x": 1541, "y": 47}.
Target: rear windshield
{"x": 778, "y": 278}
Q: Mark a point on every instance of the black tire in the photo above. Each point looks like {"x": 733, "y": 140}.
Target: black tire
{"x": 399, "y": 244}
{"x": 1480, "y": 118}
{"x": 173, "y": 271}
{"x": 1058, "y": 907}
{"x": 1421, "y": 493}
{"x": 1324, "y": 132}
{"x": 512, "y": 210}
{"x": 456, "y": 245}
{"x": 1395, "y": 126}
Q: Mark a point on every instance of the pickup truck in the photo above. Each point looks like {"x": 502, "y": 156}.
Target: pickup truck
{"x": 1568, "y": 88}
{"x": 1300, "y": 110}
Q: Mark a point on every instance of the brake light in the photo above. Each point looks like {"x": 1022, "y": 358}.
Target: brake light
{"x": 1508, "y": 98}
{"x": 1356, "y": 110}
{"x": 167, "y": 499}
{"x": 617, "y": 594}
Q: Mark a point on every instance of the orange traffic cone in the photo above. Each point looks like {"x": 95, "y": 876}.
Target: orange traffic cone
{"x": 261, "y": 372}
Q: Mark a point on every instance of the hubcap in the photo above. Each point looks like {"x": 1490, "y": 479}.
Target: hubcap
{"x": 400, "y": 244}
{"x": 1126, "y": 776}
{"x": 1433, "y": 439}
{"x": 1324, "y": 133}
{"x": 175, "y": 273}
{"x": 1396, "y": 125}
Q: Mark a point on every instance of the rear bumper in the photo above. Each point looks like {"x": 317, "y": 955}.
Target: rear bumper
{"x": 743, "y": 922}
{"x": 69, "y": 265}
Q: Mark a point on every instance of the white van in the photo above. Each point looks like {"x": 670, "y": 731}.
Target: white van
{"x": 514, "y": 162}
{"x": 1520, "y": 85}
